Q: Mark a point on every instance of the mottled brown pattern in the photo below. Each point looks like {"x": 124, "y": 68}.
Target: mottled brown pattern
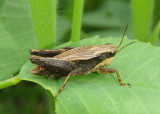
{"x": 86, "y": 52}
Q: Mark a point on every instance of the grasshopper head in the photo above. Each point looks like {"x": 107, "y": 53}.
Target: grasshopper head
{"x": 112, "y": 49}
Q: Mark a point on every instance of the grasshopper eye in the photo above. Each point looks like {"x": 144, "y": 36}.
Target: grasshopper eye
{"x": 110, "y": 54}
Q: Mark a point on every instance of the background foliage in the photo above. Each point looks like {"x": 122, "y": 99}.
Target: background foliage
{"x": 105, "y": 18}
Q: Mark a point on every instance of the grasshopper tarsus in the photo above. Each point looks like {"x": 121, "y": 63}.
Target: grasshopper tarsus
{"x": 126, "y": 84}
{"x": 129, "y": 84}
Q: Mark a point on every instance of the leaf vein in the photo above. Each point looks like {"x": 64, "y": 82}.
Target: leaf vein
{"x": 140, "y": 102}
{"x": 110, "y": 98}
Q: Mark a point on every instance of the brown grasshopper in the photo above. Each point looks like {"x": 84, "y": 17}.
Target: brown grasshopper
{"x": 58, "y": 63}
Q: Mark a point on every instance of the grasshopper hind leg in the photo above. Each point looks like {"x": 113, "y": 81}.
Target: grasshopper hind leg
{"x": 38, "y": 70}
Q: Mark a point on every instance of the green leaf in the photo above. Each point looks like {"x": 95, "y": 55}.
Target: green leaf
{"x": 138, "y": 64}
{"x": 155, "y": 34}
{"x": 112, "y": 14}
{"x": 63, "y": 27}
{"x": 142, "y": 14}
{"x": 109, "y": 33}
{"x": 44, "y": 20}
{"x": 156, "y": 14}
{"x": 16, "y": 37}
{"x": 77, "y": 17}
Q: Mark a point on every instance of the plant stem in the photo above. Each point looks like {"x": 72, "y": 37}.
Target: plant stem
{"x": 77, "y": 17}
{"x": 9, "y": 82}
{"x": 44, "y": 21}
{"x": 142, "y": 14}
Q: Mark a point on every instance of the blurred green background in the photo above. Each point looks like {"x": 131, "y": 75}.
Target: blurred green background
{"x": 101, "y": 17}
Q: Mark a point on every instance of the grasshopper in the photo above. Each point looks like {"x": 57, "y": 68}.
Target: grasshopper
{"x": 68, "y": 61}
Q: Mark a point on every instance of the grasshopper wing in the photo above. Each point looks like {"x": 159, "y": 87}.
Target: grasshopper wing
{"x": 48, "y": 52}
{"x": 83, "y": 53}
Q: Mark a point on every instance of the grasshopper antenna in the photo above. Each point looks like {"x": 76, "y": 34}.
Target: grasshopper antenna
{"x": 125, "y": 46}
{"x": 122, "y": 40}
{"x": 123, "y": 36}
